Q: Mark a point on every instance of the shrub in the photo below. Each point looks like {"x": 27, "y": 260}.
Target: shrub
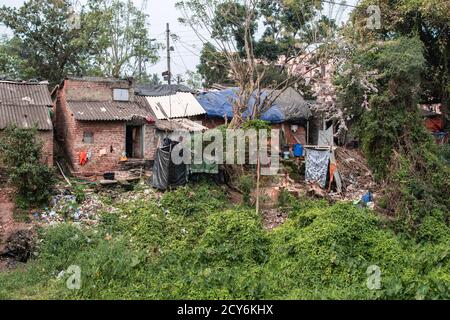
{"x": 188, "y": 200}
{"x": 247, "y": 184}
{"x": 234, "y": 236}
{"x": 21, "y": 153}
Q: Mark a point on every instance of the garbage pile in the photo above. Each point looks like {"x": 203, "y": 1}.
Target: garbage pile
{"x": 357, "y": 178}
{"x": 64, "y": 207}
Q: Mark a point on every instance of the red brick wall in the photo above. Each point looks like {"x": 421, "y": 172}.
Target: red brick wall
{"x": 108, "y": 136}
{"x": 78, "y": 90}
{"x": 149, "y": 142}
{"x": 47, "y": 148}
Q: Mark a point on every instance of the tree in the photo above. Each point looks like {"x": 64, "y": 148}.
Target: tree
{"x": 21, "y": 154}
{"x": 194, "y": 80}
{"x": 13, "y": 62}
{"x": 53, "y": 39}
{"x": 429, "y": 21}
{"x": 106, "y": 38}
{"x": 398, "y": 148}
{"x": 213, "y": 66}
{"x": 126, "y": 45}
{"x": 228, "y": 27}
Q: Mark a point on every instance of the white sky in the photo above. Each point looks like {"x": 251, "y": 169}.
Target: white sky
{"x": 187, "y": 51}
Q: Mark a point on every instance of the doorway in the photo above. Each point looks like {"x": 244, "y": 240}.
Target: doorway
{"x": 134, "y": 142}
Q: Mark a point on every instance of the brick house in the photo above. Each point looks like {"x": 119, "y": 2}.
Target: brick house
{"x": 28, "y": 104}
{"x": 101, "y": 125}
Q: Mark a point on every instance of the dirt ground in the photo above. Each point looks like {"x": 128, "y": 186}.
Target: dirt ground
{"x": 7, "y": 224}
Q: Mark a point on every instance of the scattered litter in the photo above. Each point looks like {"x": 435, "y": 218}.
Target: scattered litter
{"x": 272, "y": 218}
{"x": 64, "y": 207}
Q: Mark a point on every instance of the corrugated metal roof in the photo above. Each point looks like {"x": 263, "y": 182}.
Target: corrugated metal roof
{"x": 24, "y": 94}
{"x": 106, "y": 111}
{"x": 161, "y": 89}
{"x": 179, "y": 124}
{"x": 25, "y": 117}
{"x": 179, "y": 105}
{"x": 100, "y": 79}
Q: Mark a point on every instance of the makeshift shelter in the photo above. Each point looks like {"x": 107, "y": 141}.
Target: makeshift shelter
{"x": 289, "y": 105}
{"x": 166, "y": 173}
{"x": 290, "y": 112}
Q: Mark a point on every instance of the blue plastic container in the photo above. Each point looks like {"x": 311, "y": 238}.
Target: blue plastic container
{"x": 298, "y": 150}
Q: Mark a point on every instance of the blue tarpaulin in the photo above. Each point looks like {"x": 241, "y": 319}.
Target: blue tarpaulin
{"x": 220, "y": 104}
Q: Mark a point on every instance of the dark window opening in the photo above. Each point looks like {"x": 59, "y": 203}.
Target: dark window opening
{"x": 88, "y": 137}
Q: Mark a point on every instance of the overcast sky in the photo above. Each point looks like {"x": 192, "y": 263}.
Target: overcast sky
{"x": 186, "y": 54}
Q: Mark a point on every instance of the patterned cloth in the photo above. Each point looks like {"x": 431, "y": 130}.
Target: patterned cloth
{"x": 317, "y": 162}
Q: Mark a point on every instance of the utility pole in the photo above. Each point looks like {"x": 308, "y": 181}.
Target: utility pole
{"x": 169, "y": 76}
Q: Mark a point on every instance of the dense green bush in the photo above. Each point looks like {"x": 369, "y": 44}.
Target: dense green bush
{"x": 234, "y": 236}
{"x": 21, "y": 154}
{"x": 321, "y": 252}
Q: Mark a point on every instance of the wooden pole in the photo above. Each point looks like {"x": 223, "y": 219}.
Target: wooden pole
{"x": 258, "y": 174}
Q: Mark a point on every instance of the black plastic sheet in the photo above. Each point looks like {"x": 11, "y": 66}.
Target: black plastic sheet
{"x": 165, "y": 173}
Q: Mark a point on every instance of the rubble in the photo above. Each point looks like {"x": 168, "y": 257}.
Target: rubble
{"x": 64, "y": 207}
{"x": 357, "y": 178}
{"x": 272, "y": 218}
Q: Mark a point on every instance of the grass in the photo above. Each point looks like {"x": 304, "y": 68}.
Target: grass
{"x": 193, "y": 244}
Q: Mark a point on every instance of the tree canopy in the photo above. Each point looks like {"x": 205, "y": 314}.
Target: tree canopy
{"x": 428, "y": 20}
{"x": 53, "y": 40}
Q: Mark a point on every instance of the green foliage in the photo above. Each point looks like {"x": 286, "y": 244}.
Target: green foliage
{"x": 397, "y": 146}
{"x": 426, "y": 19}
{"x": 256, "y": 124}
{"x": 434, "y": 228}
{"x": 61, "y": 245}
{"x": 79, "y": 192}
{"x": 21, "y": 154}
{"x": 233, "y": 236}
{"x": 247, "y": 184}
{"x": 321, "y": 252}
{"x": 187, "y": 201}
{"x": 124, "y": 39}
{"x": 38, "y": 25}
{"x": 213, "y": 66}
{"x": 13, "y": 65}
{"x": 51, "y": 40}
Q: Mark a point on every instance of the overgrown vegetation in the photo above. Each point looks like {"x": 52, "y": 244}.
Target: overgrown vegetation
{"x": 394, "y": 140}
{"x": 193, "y": 244}
{"x": 21, "y": 154}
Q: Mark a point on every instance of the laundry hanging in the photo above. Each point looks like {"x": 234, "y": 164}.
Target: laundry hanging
{"x": 317, "y": 162}
{"x": 83, "y": 158}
